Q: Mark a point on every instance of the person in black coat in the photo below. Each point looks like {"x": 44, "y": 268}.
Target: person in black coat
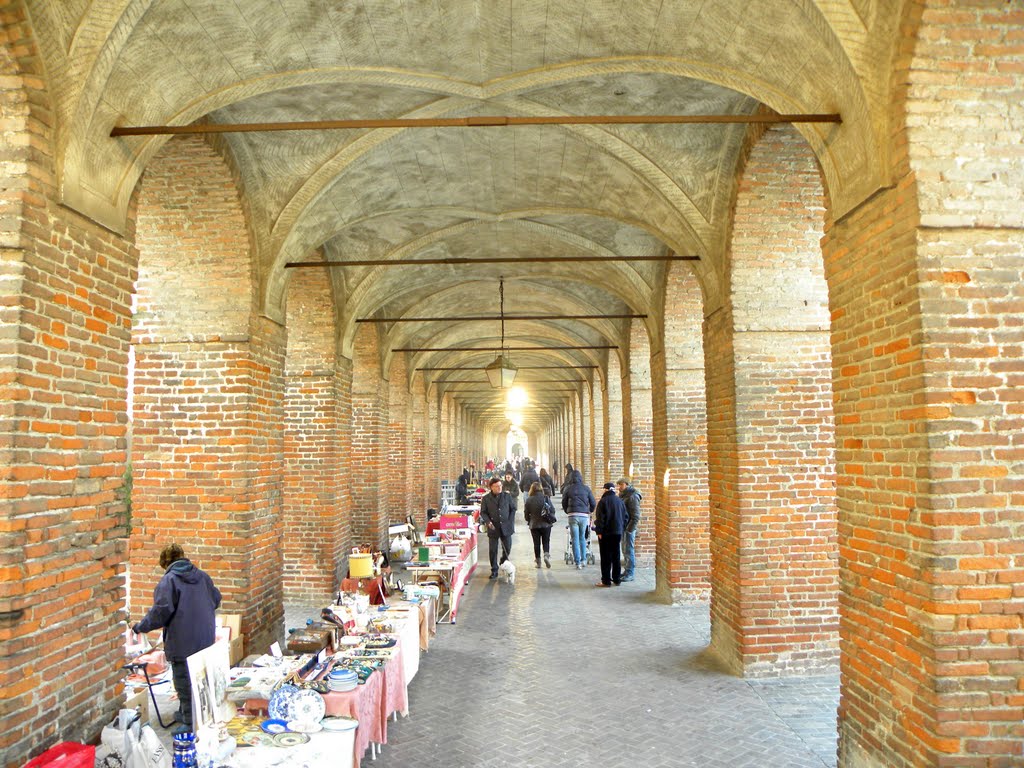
{"x": 547, "y": 482}
{"x": 462, "y": 488}
{"x": 529, "y": 477}
{"x": 609, "y": 523}
{"x": 578, "y": 504}
{"x": 184, "y": 605}
{"x": 540, "y": 529}
{"x": 497, "y": 515}
{"x": 511, "y": 487}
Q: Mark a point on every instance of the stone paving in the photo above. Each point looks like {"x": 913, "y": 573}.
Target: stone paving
{"x": 554, "y": 672}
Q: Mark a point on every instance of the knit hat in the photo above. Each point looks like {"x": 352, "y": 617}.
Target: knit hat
{"x": 624, "y": 480}
{"x": 609, "y": 486}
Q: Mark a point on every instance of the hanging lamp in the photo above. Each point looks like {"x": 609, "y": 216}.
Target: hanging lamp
{"x": 501, "y": 373}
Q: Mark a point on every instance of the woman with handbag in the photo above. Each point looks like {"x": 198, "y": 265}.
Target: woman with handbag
{"x": 540, "y": 516}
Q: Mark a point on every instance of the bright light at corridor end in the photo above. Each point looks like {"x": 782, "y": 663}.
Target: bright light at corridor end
{"x": 517, "y": 397}
{"x": 515, "y": 417}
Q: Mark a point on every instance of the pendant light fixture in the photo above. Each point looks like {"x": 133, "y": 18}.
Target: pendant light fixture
{"x": 501, "y": 373}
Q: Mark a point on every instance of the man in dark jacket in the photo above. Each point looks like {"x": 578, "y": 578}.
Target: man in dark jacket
{"x": 184, "y": 603}
{"x": 497, "y": 515}
{"x": 529, "y": 477}
{"x": 578, "y": 503}
{"x": 631, "y": 498}
{"x": 609, "y": 523}
{"x": 462, "y": 488}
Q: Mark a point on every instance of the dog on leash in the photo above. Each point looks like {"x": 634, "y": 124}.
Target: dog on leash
{"x": 507, "y": 572}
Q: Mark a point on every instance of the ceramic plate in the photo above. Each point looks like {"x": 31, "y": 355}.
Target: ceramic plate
{"x": 290, "y": 739}
{"x": 274, "y": 726}
{"x": 339, "y": 723}
{"x": 308, "y": 707}
{"x": 301, "y": 727}
{"x": 281, "y": 701}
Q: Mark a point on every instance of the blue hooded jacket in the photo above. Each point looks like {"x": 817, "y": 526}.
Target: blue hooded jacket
{"x": 184, "y": 603}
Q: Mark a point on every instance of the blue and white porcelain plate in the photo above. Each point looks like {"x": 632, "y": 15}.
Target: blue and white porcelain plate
{"x": 308, "y": 707}
{"x": 280, "y": 707}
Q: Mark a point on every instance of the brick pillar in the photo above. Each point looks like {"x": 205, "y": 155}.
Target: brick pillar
{"x": 680, "y": 445}
{"x": 773, "y": 513}
{"x": 588, "y": 432}
{"x": 399, "y": 468}
{"x": 418, "y": 448}
{"x": 927, "y": 306}
{"x": 445, "y": 439}
{"x": 613, "y": 395}
{"x": 600, "y": 432}
{"x": 642, "y": 437}
{"x": 367, "y": 448}
{"x": 207, "y": 447}
{"x": 64, "y": 328}
{"x": 433, "y": 456}
{"x": 311, "y": 517}
{"x": 347, "y": 495}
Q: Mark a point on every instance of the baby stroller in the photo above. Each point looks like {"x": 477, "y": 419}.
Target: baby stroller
{"x": 568, "y": 547}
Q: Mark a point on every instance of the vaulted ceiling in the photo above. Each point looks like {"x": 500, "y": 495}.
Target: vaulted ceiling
{"x": 511, "y": 192}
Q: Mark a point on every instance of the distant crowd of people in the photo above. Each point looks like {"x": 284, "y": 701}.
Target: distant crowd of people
{"x": 615, "y": 517}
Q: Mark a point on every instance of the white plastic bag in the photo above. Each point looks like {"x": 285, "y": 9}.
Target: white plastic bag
{"x": 401, "y": 547}
{"x": 121, "y": 735}
{"x": 148, "y": 752}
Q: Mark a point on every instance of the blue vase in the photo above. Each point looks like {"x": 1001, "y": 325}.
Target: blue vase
{"x": 184, "y": 751}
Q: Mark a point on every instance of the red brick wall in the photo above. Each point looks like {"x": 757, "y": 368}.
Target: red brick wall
{"x": 312, "y": 519}
{"x": 366, "y": 447}
{"x": 399, "y": 471}
{"x": 613, "y": 391}
{"x": 641, "y": 438}
{"x": 775, "y": 489}
{"x": 65, "y": 320}
{"x": 600, "y": 430}
{"x": 680, "y": 492}
{"x": 927, "y": 280}
{"x": 417, "y": 492}
{"x": 207, "y": 433}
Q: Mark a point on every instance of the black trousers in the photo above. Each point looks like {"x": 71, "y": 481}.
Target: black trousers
{"x": 492, "y": 547}
{"x": 541, "y": 536}
{"x": 611, "y": 558}
{"x": 183, "y": 687}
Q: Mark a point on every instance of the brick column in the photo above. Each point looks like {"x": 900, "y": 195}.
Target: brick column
{"x": 613, "y": 394}
{"x": 311, "y": 517}
{"x": 642, "y": 437}
{"x": 64, "y": 333}
{"x": 398, "y": 468}
{"x": 773, "y": 514}
{"x": 207, "y": 447}
{"x": 680, "y": 445}
{"x": 367, "y": 448}
{"x": 927, "y": 307}
{"x": 432, "y": 462}
{"x": 588, "y": 432}
{"x": 600, "y": 432}
{"x": 418, "y": 449}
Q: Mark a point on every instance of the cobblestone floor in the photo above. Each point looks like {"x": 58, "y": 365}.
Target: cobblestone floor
{"x": 554, "y": 672}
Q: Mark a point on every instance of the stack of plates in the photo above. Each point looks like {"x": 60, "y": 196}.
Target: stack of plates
{"x": 342, "y": 680}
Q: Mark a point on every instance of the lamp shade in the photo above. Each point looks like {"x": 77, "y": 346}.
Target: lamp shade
{"x": 360, "y": 566}
{"x": 501, "y": 373}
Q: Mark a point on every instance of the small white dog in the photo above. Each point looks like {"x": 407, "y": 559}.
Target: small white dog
{"x": 507, "y": 572}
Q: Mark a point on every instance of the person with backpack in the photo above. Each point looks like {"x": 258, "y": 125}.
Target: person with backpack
{"x": 540, "y": 516}
{"x": 578, "y": 503}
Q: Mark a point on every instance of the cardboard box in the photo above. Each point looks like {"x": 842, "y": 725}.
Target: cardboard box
{"x": 232, "y": 621}
{"x": 236, "y": 650}
{"x": 138, "y": 700}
